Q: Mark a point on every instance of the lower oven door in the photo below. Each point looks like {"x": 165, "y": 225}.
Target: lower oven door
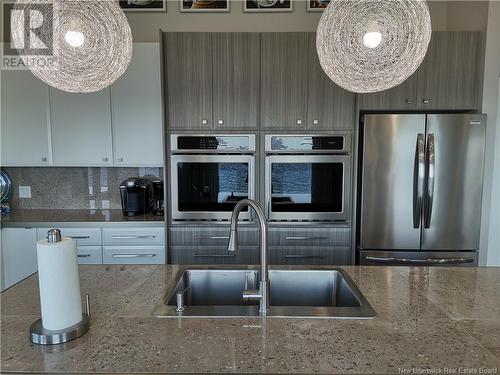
{"x": 207, "y": 187}
{"x": 308, "y": 187}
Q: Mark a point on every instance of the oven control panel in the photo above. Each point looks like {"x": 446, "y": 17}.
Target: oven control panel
{"x": 213, "y": 143}
{"x": 307, "y": 143}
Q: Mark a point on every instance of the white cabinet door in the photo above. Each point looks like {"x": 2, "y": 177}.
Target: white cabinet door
{"x": 136, "y": 108}
{"x": 81, "y": 128}
{"x": 24, "y": 119}
{"x": 18, "y": 254}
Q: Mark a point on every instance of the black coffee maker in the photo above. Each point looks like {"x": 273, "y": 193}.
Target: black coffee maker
{"x": 158, "y": 200}
{"x": 136, "y": 195}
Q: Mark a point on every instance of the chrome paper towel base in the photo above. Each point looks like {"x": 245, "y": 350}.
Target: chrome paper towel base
{"x": 42, "y": 336}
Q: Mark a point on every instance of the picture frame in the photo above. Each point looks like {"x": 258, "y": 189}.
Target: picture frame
{"x": 317, "y": 5}
{"x": 143, "y": 5}
{"x": 264, "y": 6}
{"x": 205, "y": 6}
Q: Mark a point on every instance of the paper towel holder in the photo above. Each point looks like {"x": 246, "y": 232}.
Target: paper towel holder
{"x": 42, "y": 336}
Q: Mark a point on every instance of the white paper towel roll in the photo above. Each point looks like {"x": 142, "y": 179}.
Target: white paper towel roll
{"x": 60, "y": 297}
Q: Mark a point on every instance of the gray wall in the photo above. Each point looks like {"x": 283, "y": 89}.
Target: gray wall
{"x": 490, "y": 228}
{"x": 446, "y": 15}
{"x": 71, "y": 188}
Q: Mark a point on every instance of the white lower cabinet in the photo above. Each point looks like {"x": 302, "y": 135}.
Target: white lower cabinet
{"x": 18, "y": 255}
{"x": 89, "y": 254}
{"x": 133, "y": 255}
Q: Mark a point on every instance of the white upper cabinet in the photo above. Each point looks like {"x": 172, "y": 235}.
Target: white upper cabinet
{"x": 81, "y": 128}
{"x": 24, "y": 120}
{"x": 136, "y": 110}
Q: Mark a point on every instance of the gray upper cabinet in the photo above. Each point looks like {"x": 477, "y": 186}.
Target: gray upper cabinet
{"x": 449, "y": 75}
{"x": 236, "y": 73}
{"x": 284, "y": 65}
{"x": 448, "y": 78}
{"x": 401, "y": 97}
{"x": 329, "y": 106}
{"x": 189, "y": 80}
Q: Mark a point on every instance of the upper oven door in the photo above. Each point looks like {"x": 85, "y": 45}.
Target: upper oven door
{"x": 207, "y": 187}
{"x": 308, "y": 187}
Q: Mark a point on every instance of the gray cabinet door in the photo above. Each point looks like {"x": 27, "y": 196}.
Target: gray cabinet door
{"x": 329, "y": 107}
{"x": 449, "y": 75}
{"x": 236, "y": 73}
{"x": 189, "y": 80}
{"x": 284, "y": 80}
{"x": 401, "y": 97}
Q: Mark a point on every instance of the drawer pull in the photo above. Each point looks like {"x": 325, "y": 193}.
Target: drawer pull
{"x": 79, "y": 237}
{"x": 117, "y": 237}
{"x": 133, "y": 255}
{"x": 213, "y": 255}
{"x": 300, "y": 256}
{"x": 84, "y": 255}
{"x": 211, "y": 237}
{"x": 299, "y": 238}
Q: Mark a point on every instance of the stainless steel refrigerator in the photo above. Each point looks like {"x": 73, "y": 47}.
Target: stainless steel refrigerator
{"x": 420, "y": 188}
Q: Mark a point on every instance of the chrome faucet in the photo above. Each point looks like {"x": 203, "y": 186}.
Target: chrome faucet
{"x": 261, "y": 295}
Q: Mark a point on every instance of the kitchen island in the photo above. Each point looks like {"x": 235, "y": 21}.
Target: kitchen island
{"x": 430, "y": 320}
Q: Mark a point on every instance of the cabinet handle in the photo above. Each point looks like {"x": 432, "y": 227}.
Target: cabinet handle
{"x": 133, "y": 255}
{"x": 220, "y": 122}
{"x": 299, "y": 122}
{"x": 204, "y": 122}
{"x": 409, "y": 101}
{"x": 301, "y": 256}
{"x": 298, "y": 238}
{"x": 211, "y": 237}
{"x": 105, "y": 160}
{"x": 44, "y": 158}
{"x": 132, "y": 237}
{"x": 315, "y": 122}
{"x": 84, "y": 255}
{"x": 425, "y": 101}
{"x": 79, "y": 237}
{"x": 213, "y": 255}
{"x": 119, "y": 160}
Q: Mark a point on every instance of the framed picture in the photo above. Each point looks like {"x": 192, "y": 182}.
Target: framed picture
{"x": 317, "y": 5}
{"x": 205, "y": 5}
{"x": 143, "y": 5}
{"x": 267, "y": 6}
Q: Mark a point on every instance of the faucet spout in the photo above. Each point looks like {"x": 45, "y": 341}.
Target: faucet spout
{"x": 263, "y": 294}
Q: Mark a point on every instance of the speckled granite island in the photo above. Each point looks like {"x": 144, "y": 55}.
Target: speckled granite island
{"x": 430, "y": 320}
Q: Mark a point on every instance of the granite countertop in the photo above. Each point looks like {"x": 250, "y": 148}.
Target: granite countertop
{"x": 429, "y": 319}
{"x": 34, "y": 217}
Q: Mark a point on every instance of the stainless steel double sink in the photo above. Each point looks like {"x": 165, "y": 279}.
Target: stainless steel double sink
{"x": 293, "y": 293}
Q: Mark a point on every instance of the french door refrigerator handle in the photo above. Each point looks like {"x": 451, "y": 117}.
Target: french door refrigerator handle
{"x": 430, "y": 175}
{"x": 418, "y": 179}
{"x": 428, "y": 261}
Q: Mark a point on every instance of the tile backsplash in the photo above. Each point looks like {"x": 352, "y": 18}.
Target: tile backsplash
{"x": 72, "y": 187}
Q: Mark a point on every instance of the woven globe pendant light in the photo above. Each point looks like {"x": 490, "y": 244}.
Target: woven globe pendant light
{"x": 91, "y": 42}
{"x": 367, "y": 46}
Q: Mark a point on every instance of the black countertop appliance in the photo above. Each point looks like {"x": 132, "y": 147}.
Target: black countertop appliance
{"x": 136, "y": 196}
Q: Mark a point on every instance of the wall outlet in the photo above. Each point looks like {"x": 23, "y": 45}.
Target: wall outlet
{"x": 24, "y": 191}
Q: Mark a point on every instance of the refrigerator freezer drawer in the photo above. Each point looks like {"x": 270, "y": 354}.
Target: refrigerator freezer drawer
{"x": 419, "y": 258}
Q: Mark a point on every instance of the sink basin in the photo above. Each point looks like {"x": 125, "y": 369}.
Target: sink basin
{"x": 293, "y": 293}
